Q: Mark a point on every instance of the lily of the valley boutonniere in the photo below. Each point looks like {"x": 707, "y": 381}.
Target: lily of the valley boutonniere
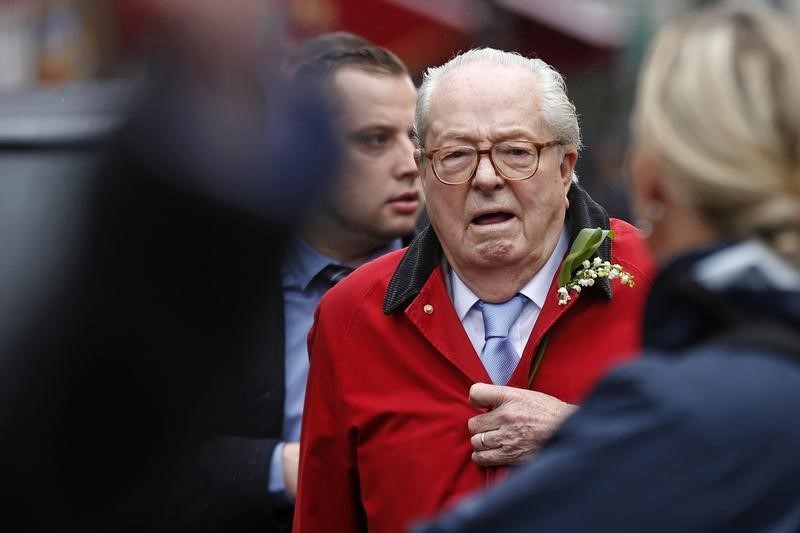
{"x": 578, "y": 271}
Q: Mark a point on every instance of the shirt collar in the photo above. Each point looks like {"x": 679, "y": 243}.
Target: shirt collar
{"x": 302, "y": 262}
{"x": 535, "y": 290}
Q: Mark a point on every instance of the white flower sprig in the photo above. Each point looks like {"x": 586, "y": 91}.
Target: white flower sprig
{"x": 586, "y": 276}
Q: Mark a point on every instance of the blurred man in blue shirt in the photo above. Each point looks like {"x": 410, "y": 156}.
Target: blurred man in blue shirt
{"x": 372, "y": 208}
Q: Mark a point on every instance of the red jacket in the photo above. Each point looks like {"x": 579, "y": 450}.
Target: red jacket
{"x": 384, "y": 438}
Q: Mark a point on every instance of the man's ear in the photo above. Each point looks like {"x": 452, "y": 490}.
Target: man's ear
{"x": 418, "y": 159}
{"x": 569, "y": 158}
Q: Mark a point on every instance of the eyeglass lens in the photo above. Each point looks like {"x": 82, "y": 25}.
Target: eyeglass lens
{"x": 514, "y": 160}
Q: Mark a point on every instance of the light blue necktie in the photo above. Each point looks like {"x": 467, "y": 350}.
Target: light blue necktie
{"x": 498, "y": 354}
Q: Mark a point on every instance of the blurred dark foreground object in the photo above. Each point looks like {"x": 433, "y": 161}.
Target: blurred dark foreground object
{"x": 134, "y": 288}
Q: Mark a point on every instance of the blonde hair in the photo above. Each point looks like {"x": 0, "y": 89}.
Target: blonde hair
{"x": 719, "y": 103}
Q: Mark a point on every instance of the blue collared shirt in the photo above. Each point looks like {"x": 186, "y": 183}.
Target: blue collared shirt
{"x": 301, "y": 294}
{"x": 536, "y": 290}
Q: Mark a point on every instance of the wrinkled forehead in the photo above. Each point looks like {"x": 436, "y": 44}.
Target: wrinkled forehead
{"x": 485, "y": 101}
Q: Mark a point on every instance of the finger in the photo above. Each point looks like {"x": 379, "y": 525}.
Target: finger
{"x": 500, "y": 457}
{"x": 476, "y": 442}
{"x": 485, "y": 440}
{"x": 485, "y": 395}
{"x": 483, "y": 422}
{"x": 494, "y": 457}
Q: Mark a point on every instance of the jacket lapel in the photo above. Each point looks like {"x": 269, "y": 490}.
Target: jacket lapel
{"x": 584, "y": 213}
{"x": 432, "y": 313}
{"x": 418, "y": 263}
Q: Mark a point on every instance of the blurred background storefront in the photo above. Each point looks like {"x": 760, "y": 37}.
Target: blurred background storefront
{"x": 62, "y": 57}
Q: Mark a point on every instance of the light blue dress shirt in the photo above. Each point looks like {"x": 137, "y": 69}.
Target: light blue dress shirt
{"x": 301, "y": 294}
{"x": 537, "y": 290}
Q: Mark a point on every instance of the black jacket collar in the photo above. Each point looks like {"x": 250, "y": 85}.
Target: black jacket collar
{"x": 425, "y": 252}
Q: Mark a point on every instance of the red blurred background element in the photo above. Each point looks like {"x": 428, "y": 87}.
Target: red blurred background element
{"x": 51, "y": 42}
{"x": 425, "y": 33}
{"x": 571, "y": 36}
{"x": 419, "y": 38}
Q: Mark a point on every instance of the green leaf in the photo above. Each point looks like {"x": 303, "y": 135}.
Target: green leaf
{"x": 586, "y": 244}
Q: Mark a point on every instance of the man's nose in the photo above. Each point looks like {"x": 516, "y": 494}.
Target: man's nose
{"x": 486, "y": 176}
{"x": 406, "y": 167}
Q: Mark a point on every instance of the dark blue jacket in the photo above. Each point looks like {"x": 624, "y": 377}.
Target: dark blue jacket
{"x": 701, "y": 434}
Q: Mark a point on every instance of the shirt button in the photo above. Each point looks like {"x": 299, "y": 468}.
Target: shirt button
{"x": 428, "y": 309}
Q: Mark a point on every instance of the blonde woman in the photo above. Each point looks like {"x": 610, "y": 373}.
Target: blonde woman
{"x": 702, "y": 433}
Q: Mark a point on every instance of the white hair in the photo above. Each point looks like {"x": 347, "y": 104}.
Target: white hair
{"x": 558, "y": 113}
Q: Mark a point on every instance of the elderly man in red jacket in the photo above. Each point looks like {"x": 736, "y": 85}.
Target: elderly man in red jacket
{"x": 434, "y": 368}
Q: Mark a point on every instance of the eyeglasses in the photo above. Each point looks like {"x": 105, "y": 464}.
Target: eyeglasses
{"x": 513, "y": 160}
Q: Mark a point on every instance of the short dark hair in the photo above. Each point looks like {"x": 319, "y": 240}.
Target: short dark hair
{"x": 320, "y": 71}
{"x": 372, "y": 59}
{"x": 310, "y": 49}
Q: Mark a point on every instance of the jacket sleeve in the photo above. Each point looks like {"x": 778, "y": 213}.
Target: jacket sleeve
{"x": 222, "y": 485}
{"x": 328, "y": 494}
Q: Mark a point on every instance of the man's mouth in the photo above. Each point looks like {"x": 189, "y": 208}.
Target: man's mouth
{"x": 405, "y": 203}
{"x": 492, "y": 218}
